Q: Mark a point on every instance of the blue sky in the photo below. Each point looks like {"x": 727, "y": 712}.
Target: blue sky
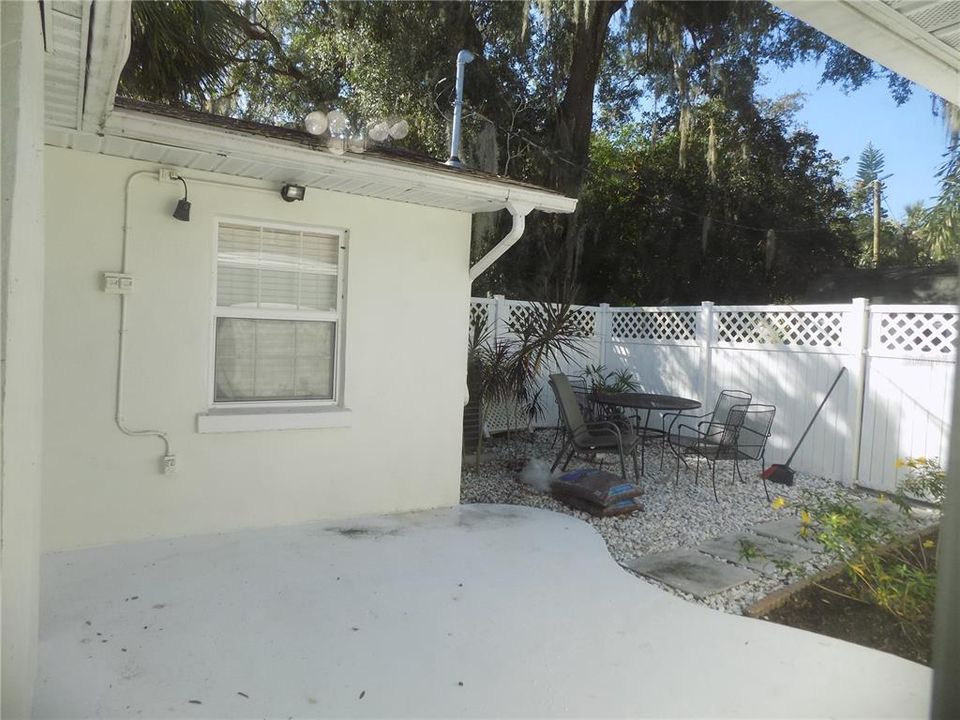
{"x": 910, "y": 137}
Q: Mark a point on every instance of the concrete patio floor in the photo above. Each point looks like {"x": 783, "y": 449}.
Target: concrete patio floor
{"x": 481, "y": 610}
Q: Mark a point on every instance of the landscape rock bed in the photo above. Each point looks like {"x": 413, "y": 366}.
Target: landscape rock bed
{"x": 675, "y": 515}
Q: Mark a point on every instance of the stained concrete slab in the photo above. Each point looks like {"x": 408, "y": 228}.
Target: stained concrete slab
{"x": 479, "y": 611}
{"x": 769, "y": 551}
{"x": 691, "y": 571}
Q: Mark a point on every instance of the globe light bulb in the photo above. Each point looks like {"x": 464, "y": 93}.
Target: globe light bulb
{"x": 337, "y": 122}
{"x": 357, "y": 144}
{"x": 379, "y": 131}
{"x": 338, "y": 146}
{"x": 315, "y": 123}
{"x": 399, "y": 129}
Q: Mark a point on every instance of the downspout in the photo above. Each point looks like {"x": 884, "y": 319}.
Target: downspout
{"x": 519, "y": 212}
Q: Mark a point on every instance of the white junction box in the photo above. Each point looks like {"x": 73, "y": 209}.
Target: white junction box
{"x": 117, "y": 283}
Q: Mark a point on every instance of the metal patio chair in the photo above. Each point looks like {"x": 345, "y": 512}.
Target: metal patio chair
{"x": 583, "y": 392}
{"x": 716, "y": 417}
{"x": 742, "y": 437}
{"x": 590, "y": 438}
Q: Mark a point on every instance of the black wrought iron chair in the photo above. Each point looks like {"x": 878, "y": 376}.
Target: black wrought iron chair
{"x": 742, "y": 437}
{"x": 589, "y": 438}
{"x": 716, "y": 417}
{"x": 755, "y": 429}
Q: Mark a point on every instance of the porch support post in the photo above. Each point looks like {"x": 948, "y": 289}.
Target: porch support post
{"x": 946, "y": 635}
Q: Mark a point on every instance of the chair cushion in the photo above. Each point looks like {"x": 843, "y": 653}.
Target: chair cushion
{"x": 595, "y": 486}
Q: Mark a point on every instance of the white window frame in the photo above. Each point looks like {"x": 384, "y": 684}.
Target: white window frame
{"x": 338, "y": 317}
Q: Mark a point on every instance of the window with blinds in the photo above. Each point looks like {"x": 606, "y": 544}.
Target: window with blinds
{"x": 277, "y": 314}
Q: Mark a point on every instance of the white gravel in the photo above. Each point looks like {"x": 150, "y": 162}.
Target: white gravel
{"x": 676, "y": 515}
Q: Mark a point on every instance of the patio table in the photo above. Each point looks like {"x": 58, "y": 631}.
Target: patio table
{"x": 646, "y": 402}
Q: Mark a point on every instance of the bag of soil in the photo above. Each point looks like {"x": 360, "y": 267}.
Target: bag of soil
{"x": 595, "y": 486}
{"x": 621, "y": 507}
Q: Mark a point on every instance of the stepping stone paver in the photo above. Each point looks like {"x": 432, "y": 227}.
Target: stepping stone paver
{"x": 691, "y": 571}
{"x": 786, "y": 530}
{"x": 729, "y": 548}
{"x": 890, "y": 511}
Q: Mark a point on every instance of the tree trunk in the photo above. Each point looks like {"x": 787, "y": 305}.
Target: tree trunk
{"x": 573, "y": 127}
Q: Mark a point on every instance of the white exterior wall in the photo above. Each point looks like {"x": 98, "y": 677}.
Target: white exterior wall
{"x": 404, "y": 337}
{"x": 21, "y": 324}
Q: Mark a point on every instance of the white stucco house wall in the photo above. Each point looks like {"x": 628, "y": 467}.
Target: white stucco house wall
{"x": 302, "y": 359}
{"x": 264, "y": 363}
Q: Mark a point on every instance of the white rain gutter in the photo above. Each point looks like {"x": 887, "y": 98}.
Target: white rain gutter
{"x": 518, "y": 211}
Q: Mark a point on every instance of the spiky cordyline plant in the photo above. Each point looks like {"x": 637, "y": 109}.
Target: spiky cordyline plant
{"x": 511, "y": 368}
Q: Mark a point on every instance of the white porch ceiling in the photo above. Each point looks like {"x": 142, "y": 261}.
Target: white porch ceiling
{"x": 918, "y": 39}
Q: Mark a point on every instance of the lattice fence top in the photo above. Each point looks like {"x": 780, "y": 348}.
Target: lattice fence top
{"x": 817, "y": 329}
{"x": 584, "y": 318}
{"x": 914, "y": 332}
{"x": 479, "y": 313}
{"x": 653, "y": 325}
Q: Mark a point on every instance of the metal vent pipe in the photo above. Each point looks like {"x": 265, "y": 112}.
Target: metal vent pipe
{"x": 463, "y": 57}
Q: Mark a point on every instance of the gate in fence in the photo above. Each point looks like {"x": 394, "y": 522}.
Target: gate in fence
{"x": 894, "y": 400}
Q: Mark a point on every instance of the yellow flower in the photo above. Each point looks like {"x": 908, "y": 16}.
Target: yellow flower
{"x": 928, "y": 543}
{"x": 921, "y": 460}
{"x": 900, "y": 463}
{"x": 882, "y": 498}
{"x": 804, "y": 517}
{"x": 778, "y": 504}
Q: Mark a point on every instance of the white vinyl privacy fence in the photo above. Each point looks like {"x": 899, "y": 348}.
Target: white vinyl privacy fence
{"x": 893, "y": 401}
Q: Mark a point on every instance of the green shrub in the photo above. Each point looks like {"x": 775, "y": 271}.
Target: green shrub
{"x": 885, "y": 569}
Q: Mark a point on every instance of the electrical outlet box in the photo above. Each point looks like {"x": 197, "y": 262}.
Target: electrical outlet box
{"x": 117, "y": 283}
{"x": 168, "y": 175}
{"x": 168, "y": 464}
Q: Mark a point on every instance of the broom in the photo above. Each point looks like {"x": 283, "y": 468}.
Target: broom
{"x": 783, "y": 474}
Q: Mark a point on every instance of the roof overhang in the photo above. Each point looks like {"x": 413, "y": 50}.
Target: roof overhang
{"x": 87, "y": 45}
{"x": 183, "y": 145}
{"x": 917, "y": 39}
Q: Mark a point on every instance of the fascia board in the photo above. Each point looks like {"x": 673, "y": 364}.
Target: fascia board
{"x": 879, "y": 32}
{"x": 224, "y": 142}
{"x": 109, "y": 46}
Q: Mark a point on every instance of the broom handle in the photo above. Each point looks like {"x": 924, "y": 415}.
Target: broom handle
{"x": 816, "y": 414}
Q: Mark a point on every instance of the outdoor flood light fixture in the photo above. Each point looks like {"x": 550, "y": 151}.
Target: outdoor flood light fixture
{"x": 293, "y": 192}
{"x": 183, "y": 206}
